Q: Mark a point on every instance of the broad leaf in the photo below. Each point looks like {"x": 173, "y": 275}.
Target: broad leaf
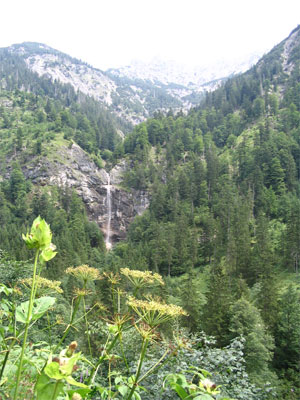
{"x": 45, "y": 389}
{"x": 82, "y": 392}
{"x": 72, "y": 381}
{"x": 122, "y": 389}
{"x": 67, "y": 368}
{"x": 180, "y": 391}
{"x": 40, "y": 306}
{"x": 53, "y": 371}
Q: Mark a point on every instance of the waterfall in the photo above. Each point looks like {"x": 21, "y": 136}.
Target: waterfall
{"x": 108, "y": 243}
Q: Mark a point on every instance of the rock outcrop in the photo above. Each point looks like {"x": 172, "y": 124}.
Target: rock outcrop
{"x": 73, "y": 168}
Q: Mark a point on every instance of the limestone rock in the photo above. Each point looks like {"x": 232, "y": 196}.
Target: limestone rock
{"x": 73, "y": 168}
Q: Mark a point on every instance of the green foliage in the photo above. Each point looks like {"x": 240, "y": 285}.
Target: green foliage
{"x": 247, "y": 322}
{"x": 287, "y": 336}
{"x": 223, "y": 225}
{"x": 56, "y": 376}
{"x": 205, "y": 389}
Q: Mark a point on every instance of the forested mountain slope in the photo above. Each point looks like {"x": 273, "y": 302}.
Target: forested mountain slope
{"x": 131, "y": 97}
{"x": 223, "y": 222}
{"x": 224, "y": 185}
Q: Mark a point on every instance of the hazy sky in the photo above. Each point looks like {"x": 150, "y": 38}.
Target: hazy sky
{"x": 110, "y": 33}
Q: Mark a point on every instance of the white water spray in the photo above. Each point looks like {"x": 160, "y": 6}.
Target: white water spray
{"x": 108, "y": 243}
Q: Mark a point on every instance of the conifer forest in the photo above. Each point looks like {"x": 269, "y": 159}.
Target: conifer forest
{"x": 183, "y": 280}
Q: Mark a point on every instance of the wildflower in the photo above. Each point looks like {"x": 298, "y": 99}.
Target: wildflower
{"x": 142, "y": 278}
{"x": 17, "y": 291}
{"x": 40, "y": 237}
{"x": 114, "y": 279}
{"x": 207, "y": 384}
{"x": 84, "y": 272}
{"x": 71, "y": 349}
{"x": 43, "y": 284}
{"x": 147, "y": 332}
{"x": 182, "y": 343}
{"x": 81, "y": 292}
{"x": 153, "y": 312}
{"x": 100, "y": 306}
{"x": 118, "y": 320}
{"x": 59, "y": 320}
{"x": 76, "y": 396}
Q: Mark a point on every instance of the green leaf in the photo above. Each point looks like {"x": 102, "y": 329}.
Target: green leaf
{"x": 122, "y": 389}
{"x": 42, "y": 381}
{"x": 137, "y": 396}
{"x": 67, "y": 368}
{"x": 6, "y": 290}
{"x": 21, "y": 312}
{"x": 113, "y": 329}
{"x": 72, "y": 381}
{"x": 41, "y": 231}
{"x": 53, "y": 371}
{"x": 204, "y": 397}
{"x": 45, "y": 389}
{"x": 83, "y": 392}
{"x": 180, "y": 391}
{"x": 40, "y": 235}
{"x": 48, "y": 253}
{"x": 40, "y": 306}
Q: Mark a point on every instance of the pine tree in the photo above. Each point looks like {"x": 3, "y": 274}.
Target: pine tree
{"x": 246, "y": 321}
{"x": 216, "y": 316}
{"x": 287, "y": 332}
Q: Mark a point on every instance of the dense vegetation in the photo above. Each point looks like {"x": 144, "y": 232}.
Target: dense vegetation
{"x": 223, "y": 226}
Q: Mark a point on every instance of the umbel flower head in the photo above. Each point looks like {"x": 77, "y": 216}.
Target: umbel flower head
{"x": 142, "y": 278}
{"x": 43, "y": 284}
{"x": 153, "y": 312}
{"x": 84, "y": 273}
{"x": 114, "y": 279}
{"x": 40, "y": 237}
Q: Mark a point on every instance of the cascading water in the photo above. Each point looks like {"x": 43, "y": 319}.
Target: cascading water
{"x": 108, "y": 243}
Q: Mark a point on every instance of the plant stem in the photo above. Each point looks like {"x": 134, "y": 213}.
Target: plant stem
{"x": 142, "y": 356}
{"x": 29, "y": 312}
{"x": 87, "y": 328}
{"x": 157, "y": 365}
{"x": 93, "y": 373}
{"x": 10, "y": 348}
{"x": 4, "y": 363}
{"x": 70, "y": 323}
{"x": 109, "y": 379}
{"x": 49, "y": 330}
{"x": 122, "y": 350}
{"x": 54, "y": 395}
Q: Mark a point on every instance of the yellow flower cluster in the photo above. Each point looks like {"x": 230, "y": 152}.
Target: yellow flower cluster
{"x": 142, "y": 278}
{"x": 114, "y": 279}
{"x": 84, "y": 272}
{"x": 81, "y": 292}
{"x": 43, "y": 283}
{"x": 153, "y": 312}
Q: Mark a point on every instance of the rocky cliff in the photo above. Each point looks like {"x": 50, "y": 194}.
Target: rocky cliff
{"x": 107, "y": 203}
{"x": 135, "y": 92}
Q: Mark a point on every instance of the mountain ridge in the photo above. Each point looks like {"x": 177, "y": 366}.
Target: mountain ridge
{"x": 132, "y": 97}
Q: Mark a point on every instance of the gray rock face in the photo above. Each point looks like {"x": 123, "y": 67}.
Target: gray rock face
{"x": 79, "y": 172}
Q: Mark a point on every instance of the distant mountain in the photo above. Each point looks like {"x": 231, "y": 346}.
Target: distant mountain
{"x": 132, "y": 93}
{"x": 60, "y": 135}
{"x": 197, "y": 78}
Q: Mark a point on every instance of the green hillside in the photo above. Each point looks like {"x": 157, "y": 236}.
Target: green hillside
{"x": 221, "y": 237}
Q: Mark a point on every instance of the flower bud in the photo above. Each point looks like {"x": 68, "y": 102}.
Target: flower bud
{"x": 71, "y": 349}
{"x": 76, "y": 396}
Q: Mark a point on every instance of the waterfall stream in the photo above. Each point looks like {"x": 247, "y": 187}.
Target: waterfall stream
{"x": 108, "y": 243}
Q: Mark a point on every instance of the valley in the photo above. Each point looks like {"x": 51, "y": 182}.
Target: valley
{"x": 165, "y": 200}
